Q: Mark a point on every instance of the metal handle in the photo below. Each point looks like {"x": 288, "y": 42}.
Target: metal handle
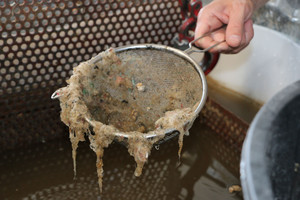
{"x": 191, "y": 50}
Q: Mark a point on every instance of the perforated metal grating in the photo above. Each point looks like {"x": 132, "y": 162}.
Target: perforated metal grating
{"x": 41, "y": 41}
{"x": 232, "y": 129}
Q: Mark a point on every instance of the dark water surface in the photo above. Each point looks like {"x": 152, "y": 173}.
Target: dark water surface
{"x": 208, "y": 167}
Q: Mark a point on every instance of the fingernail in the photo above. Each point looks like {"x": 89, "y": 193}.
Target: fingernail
{"x": 235, "y": 39}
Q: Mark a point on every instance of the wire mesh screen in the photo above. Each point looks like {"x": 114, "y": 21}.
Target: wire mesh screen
{"x": 41, "y": 41}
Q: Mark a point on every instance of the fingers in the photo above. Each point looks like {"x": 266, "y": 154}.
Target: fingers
{"x": 208, "y": 22}
{"x": 224, "y": 47}
{"x": 210, "y": 40}
{"x": 246, "y": 37}
{"x": 239, "y": 32}
{"x": 217, "y": 37}
{"x": 228, "y": 47}
{"x": 235, "y": 27}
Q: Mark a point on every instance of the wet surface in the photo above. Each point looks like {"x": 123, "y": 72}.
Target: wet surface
{"x": 208, "y": 167}
{"x": 241, "y": 106}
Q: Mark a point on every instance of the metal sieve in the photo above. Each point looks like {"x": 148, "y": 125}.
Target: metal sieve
{"x": 172, "y": 78}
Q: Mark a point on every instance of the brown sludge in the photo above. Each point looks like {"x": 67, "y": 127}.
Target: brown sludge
{"x": 105, "y": 96}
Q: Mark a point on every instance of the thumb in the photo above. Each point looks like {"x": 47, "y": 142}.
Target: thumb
{"x": 235, "y": 28}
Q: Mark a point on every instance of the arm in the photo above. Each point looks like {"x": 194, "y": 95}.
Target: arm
{"x": 236, "y": 14}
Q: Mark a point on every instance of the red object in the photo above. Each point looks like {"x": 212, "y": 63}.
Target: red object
{"x": 189, "y": 13}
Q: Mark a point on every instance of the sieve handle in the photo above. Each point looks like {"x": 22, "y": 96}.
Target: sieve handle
{"x": 191, "y": 50}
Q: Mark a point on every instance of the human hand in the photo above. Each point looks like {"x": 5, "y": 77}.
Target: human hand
{"x": 236, "y": 14}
